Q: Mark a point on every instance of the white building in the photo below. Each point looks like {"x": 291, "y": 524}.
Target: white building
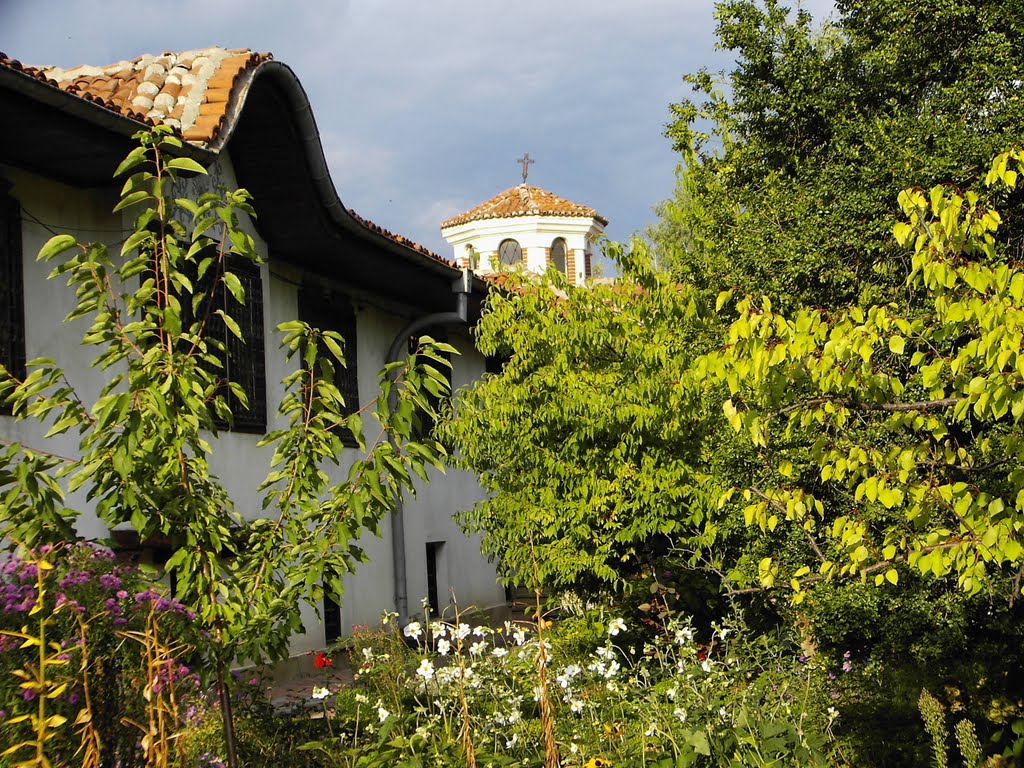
{"x": 246, "y": 119}
{"x": 526, "y": 227}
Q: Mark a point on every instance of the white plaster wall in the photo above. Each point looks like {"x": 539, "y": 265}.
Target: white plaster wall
{"x": 237, "y": 460}
{"x": 534, "y": 233}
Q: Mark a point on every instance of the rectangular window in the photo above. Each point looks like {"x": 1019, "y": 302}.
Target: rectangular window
{"x": 437, "y": 334}
{"x": 433, "y": 562}
{"x": 12, "y": 289}
{"x": 332, "y": 618}
{"x": 245, "y": 360}
{"x": 330, "y": 311}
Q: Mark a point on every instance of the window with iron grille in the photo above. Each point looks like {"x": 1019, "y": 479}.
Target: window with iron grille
{"x": 244, "y": 358}
{"x": 558, "y": 254}
{"x": 12, "y": 289}
{"x": 246, "y": 362}
{"x": 331, "y": 311}
{"x": 510, "y": 253}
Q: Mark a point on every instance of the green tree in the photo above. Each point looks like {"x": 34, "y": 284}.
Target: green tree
{"x": 145, "y": 443}
{"x": 913, "y": 410}
{"x": 585, "y": 440}
{"x": 791, "y": 166}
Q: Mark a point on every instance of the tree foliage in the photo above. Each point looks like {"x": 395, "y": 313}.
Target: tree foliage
{"x": 909, "y": 415}
{"x": 585, "y": 439}
{"x": 791, "y": 166}
{"x": 145, "y": 444}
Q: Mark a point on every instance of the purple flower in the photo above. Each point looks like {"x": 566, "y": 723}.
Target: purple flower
{"x": 73, "y": 699}
{"x": 109, "y": 581}
{"x": 121, "y": 594}
{"x": 28, "y": 694}
{"x": 847, "y": 666}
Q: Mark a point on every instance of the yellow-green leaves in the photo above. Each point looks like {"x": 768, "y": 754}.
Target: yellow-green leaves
{"x": 916, "y": 450}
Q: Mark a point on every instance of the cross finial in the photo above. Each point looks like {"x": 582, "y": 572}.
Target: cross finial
{"x": 526, "y": 162}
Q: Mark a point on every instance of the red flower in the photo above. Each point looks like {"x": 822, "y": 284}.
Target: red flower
{"x": 321, "y": 660}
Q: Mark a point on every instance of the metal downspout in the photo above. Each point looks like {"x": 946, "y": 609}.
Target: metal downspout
{"x": 462, "y": 287}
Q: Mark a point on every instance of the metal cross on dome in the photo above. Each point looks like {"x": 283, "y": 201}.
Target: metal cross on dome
{"x": 526, "y": 162}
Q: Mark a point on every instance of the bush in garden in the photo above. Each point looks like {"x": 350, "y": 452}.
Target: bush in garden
{"x": 673, "y": 700}
{"x": 95, "y": 610}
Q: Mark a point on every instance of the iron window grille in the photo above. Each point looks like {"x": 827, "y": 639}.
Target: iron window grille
{"x": 12, "y": 289}
{"x": 330, "y": 311}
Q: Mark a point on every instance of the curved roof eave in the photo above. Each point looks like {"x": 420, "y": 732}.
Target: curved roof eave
{"x": 309, "y": 135}
{"x": 32, "y": 83}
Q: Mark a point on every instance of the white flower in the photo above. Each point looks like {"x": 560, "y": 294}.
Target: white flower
{"x": 438, "y": 628}
{"x": 425, "y": 669}
{"x": 361, "y": 698}
{"x": 481, "y": 631}
{"x": 383, "y": 714}
{"x": 684, "y": 635}
{"x": 320, "y": 693}
{"x": 368, "y": 653}
{"x": 681, "y": 714}
{"x": 722, "y": 713}
{"x": 519, "y": 635}
{"x": 499, "y": 652}
{"x": 615, "y": 626}
{"x": 651, "y": 729}
{"x": 606, "y": 652}
{"x": 422, "y": 732}
{"x": 512, "y": 742}
{"x": 671, "y": 693}
{"x": 723, "y": 632}
{"x": 462, "y": 631}
{"x": 443, "y": 646}
{"x": 613, "y": 668}
{"x": 705, "y": 665}
{"x": 477, "y": 648}
{"x": 574, "y": 747}
{"x": 413, "y": 629}
{"x": 576, "y": 706}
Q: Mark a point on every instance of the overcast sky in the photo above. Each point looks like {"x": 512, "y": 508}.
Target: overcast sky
{"x": 424, "y": 106}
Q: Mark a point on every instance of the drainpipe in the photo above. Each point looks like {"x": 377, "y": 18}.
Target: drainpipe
{"x": 462, "y": 287}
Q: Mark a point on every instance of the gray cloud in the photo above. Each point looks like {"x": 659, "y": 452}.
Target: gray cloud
{"x": 423, "y": 107}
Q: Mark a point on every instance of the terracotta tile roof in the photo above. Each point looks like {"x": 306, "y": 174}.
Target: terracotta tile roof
{"x": 524, "y": 200}
{"x": 400, "y": 239}
{"x": 190, "y": 91}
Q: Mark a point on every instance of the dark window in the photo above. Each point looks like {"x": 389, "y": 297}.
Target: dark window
{"x": 332, "y": 618}
{"x": 433, "y": 596}
{"x": 494, "y": 364}
{"x": 558, "y": 254}
{"x": 437, "y": 334}
{"x": 244, "y": 358}
{"x": 510, "y": 253}
{"x": 12, "y": 290}
{"x": 331, "y": 311}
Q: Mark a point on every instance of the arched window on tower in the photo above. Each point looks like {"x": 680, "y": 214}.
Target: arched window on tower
{"x": 558, "y": 254}
{"x": 510, "y": 253}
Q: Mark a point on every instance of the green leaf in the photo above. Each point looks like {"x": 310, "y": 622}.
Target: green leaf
{"x": 185, "y": 164}
{"x": 55, "y": 246}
